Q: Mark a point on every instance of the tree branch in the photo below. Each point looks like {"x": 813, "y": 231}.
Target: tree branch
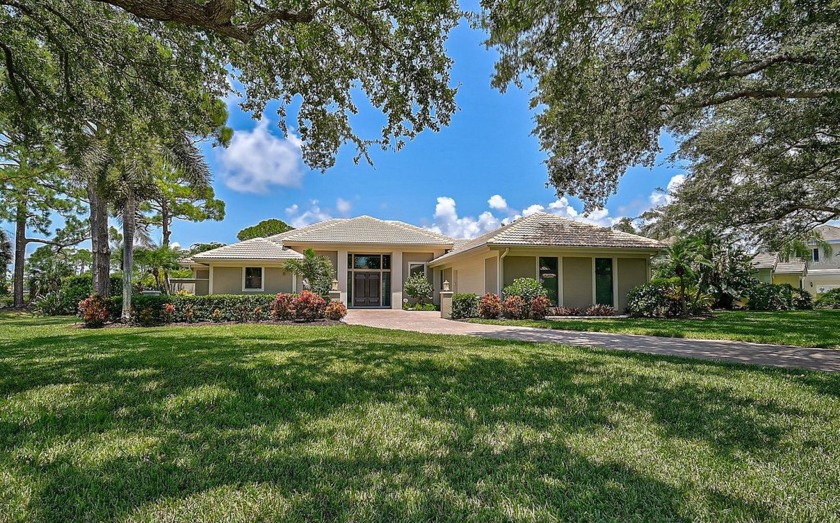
{"x": 772, "y": 93}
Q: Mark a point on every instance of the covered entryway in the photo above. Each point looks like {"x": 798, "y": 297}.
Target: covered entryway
{"x": 366, "y": 289}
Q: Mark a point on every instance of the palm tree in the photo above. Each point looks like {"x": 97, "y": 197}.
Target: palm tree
{"x": 680, "y": 259}
{"x": 317, "y": 272}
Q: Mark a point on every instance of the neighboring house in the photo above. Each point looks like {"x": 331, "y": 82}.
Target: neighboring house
{"x": 816, "y": 274}
{"x": 579, "y": 264}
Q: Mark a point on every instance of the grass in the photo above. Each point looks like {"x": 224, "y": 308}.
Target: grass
{"x": 814, "y": 328}
{"x": 245, "y": 422}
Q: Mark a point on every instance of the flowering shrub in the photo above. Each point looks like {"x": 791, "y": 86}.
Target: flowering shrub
{"x": 217, "y": 315}
{"x": 539, "y": 308}
{"x": 601, "y": 310}
{"x": 168, "y": 312}
{"x": 308, "y": 306}
{"x": 568, "y": 311}
{"x": 489, "y": 306}
{"x": 525, "y": 288}
{"x": 335, "y": 311}
{"x": 94, "y": 311}
{"x": 282, "y": 309}
{"x": 515, "y": 308}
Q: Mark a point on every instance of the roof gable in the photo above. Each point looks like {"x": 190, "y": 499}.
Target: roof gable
{"x": 253, "y": 249}
{"x": 363, "y": 229}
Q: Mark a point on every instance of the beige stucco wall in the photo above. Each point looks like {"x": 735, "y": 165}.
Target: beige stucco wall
{"x": 332, "y": 255}
{"x": 491, "y": 275}
{"x": 469, "y": 275}
{"x": 577, "y": 282}
{"x": 228, "y": 280}
{"x": 519, "y": 267}
{"x": 814, "y": 284}
{"x": 417, "y": 257}
{"x": 631, "y": 273}
{"x": 791, "y": 279}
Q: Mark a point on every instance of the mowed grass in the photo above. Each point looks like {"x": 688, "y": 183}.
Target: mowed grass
{"x": 248, "y": 423}
{"x": 815, "y": 328}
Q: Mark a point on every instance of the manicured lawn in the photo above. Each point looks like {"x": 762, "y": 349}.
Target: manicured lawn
{"x": 245, "y": 423}
{"x": 817, "y": 328}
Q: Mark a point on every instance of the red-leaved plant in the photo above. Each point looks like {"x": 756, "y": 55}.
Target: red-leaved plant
{"x": 168, "y": 313}
{"x": 94, "y": 311}
{"x": 335, "y": 311}
{"x": 539, "y": 307}
{"x": 282, "y": 308}
{"x": 309, "y": 306}
{"x": 515, "y": 308}
{"x": 490, "y": 306}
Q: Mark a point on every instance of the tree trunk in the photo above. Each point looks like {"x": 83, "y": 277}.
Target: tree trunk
{"x": 20, "y": 251}
{"x": 165, "y": 222}
{"x": 128, "y": 254}
{"x": 101, "y": 250}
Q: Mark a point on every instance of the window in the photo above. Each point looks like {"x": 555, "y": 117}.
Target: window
{"x": 252, "y": 279}
{"x": 604, "y": 281}
{"x": 816, "y": 255}
{"x": 367, "y": 261}
{"x": 548, "y": 278}
{"x": 416, "y": 268}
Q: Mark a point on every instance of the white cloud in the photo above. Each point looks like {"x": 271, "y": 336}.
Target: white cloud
{"x": 497, "y": 202}
{"x": 343, "y": 205}
{"x": 659, "y": 197}
{"x": 447, "y": 221}
{"x": 257, "y": 160}
{"x": 532, "y": 209}
{"x": 314, "y": 214}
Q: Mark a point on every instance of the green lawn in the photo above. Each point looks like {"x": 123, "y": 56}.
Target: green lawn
{"x": 816, "y": 328}
{"x": 245, "y": 423}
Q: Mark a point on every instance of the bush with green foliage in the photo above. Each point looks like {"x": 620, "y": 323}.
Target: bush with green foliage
{"x": 317, "y": 272}
{"x": 464, "y": 305}
{"x": 64, "y": 301}
{"x": 489, "y": 306}
{"x": 829, "y": 300}
{"x": 525, "y": 288}
{"x": 51, "y": 304}
{"x": 420, "y": 307}
{"x": 418, "y": 288}
{"x": 539, "y": 308}
{"x": 661, "y": 299}
{"x": 785, "y": 297}
{"x": 94, "y": 311}
{"x": 335, "y": 311}
{"x": 515, "y": 308}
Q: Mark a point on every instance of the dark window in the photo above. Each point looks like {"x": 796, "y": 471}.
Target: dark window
{"x": 367, "y": 261}
{"x": 604, "y": 281}
{"x": 816, "y": 255}
{"x": 386, "y": 262}
{"x": 416, "y": 268}
{"x": 386, "y": 289}
{"x": 253, "y": 278}
{"x": 549, "y": 278}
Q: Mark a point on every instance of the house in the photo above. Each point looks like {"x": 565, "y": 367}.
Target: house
{"x": 815, "y": 274}
{"x": 578, "y": 264}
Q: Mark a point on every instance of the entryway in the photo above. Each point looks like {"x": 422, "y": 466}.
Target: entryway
{"x": 366, "y": 289}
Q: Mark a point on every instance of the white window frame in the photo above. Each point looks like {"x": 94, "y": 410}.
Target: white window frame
{"x": 414, "y": 264}
{"x": 262, "y": 279}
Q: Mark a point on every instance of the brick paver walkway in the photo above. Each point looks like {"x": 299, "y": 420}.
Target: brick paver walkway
{"x": 729, "y": 351}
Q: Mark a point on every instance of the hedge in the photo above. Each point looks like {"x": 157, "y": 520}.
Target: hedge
{"x": 464, "y": 305}
{"x": 149, "y": 309}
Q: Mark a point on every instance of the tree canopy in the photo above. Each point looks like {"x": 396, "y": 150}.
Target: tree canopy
{"x": 750, "y": 89}
{"x": 264, "y": 228}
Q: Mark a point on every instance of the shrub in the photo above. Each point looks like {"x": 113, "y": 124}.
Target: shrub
{"x": 53, "y": 303}
{"x": 525, "y": 288}
{"x": 539, "y": 308}
{"x": 418, "y": 288}
{"x": 464, "y": 305}
{"x": 168, "y": 312}
{"x": 94, "y": 311}
{"x": 309, "y": 306}
{"x": 829, "y": 300}
{"x": 569, "y": 311}
{"x": 489, "y": 306}
{"x": 661, "y": 299}
{"x": 281, "y": 308}
{"x": 515, "y": 308}
{"x": 420, "y": 307}
{"x": 769, "y": 297}
{"x": 601, "y": 310}
{"x": 335, "y": 311}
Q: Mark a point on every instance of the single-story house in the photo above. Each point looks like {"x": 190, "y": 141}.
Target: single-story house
{"x": 578, "y": 264}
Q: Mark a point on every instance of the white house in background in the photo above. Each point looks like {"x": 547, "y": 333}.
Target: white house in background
{"x": 578, "y": 264}
{"x": 815, "y": 274}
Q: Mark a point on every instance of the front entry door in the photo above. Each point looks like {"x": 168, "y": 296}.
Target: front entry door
{"x": 366, "y": 289}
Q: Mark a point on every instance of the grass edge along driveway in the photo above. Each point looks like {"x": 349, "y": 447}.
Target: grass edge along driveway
{"x": 251, "y": 422}
{"x": 814, "y": 328}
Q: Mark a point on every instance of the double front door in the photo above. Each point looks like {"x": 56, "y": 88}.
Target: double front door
{"x": 366, "y": 289}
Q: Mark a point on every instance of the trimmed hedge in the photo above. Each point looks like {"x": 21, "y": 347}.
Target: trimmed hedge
{"x": 151, "y": 310}
{"x": 464, "y": 305}
{"x": 786, "y": 297}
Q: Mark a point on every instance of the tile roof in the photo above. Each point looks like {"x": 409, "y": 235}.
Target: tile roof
{"x": 542, "y": 229}
{"x": 363, "y": 229}
{"x": 790, "y": 267}
{"x": 829, "y": 233}
{"x": 253, "y": 249}
{"x": 764, "y": 260}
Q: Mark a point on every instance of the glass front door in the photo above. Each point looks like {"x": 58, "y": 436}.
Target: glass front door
{"x": 604, "y": 281}
{"x": 366, "y": 286}
{"x": 549, "y": 278}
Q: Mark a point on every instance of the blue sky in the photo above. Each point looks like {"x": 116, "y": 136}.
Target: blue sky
{"x": 441, "y": 180}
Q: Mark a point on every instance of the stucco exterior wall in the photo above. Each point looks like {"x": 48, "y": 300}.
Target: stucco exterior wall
{"x": 792, "y": 279}
{"x": 228, "y": 280}
{"x": 416, "y": 257}
{"x": 332, "y": 255}
{"x": 469, "y": 275}
{"x": 491, "y": 275}
{"x": 817, "y": 284}
{"x": 631, "y": 273}
{"x": 764, "y": 275}
{"x": 519, "y": 267}
{"x": 577, "y": 282}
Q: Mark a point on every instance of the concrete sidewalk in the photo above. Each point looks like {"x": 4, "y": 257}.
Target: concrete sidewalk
{"x": 729, "y": 351}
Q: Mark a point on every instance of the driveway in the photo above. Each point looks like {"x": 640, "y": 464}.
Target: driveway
{"x": 728, "y": 351}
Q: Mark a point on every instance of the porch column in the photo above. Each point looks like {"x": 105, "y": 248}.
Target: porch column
{"x": 341, "y": 269}
{"x": 396, "y": 280}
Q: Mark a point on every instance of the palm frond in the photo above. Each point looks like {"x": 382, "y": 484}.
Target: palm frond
{"x": 188, "y": 160}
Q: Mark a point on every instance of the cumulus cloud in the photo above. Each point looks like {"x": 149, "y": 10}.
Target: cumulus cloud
{"x": 302, "y": 217}
{"x": 343, "y": 205}
{"x": 256, "y": 160}
{"x": 447, "y": 221}
{"x": 497, "y": 202}
{"x": 665, "y": 197}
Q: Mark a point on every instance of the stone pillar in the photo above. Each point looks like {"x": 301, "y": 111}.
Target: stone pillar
{"x": 342, "y": 276}
{"x": 335, "y": 294}
{"x": 396, "y": 280}
{"x": 446, "y": 301}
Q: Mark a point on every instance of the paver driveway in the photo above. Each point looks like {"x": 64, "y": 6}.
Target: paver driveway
{"x": 730, "y": 351}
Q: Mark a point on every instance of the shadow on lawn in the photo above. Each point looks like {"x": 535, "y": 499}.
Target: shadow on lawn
{"x": 357, "y": 428}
